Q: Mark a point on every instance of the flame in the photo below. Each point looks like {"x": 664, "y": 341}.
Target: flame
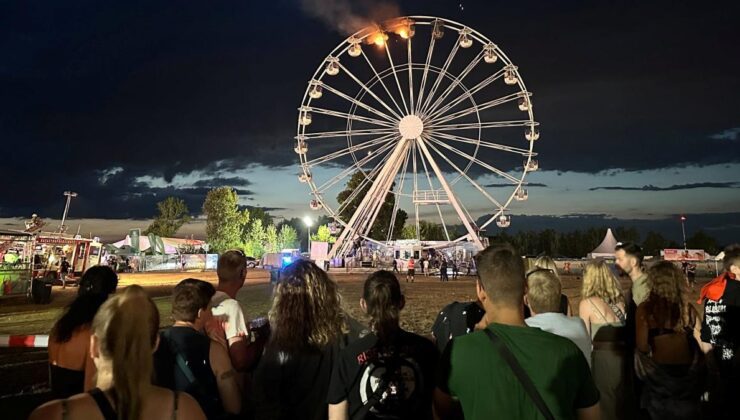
{"x": 379, "y": 38}
{"x": 404, "y": 33}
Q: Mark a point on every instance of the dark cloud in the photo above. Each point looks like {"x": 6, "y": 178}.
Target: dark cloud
{"x": 530, "y": 184}
{"x": 209, "y": 86}
{"x": 672, "y": 187}
{"x": 222, "y": 182}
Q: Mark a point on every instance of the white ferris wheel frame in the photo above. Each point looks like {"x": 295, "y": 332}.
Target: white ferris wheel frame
{"x": 396, "y": 148}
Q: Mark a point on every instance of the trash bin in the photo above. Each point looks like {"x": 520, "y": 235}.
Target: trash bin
{"x": 41, "y": 290}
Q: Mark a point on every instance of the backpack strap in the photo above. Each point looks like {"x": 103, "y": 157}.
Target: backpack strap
{"x": 106, "y": 409}
{"x": 174, "y": 405}
{"x": 520, "y": 373}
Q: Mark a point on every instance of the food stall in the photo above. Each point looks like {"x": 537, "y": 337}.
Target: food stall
{"x": 16, "y": 249}
{"x": 50, "y": 249}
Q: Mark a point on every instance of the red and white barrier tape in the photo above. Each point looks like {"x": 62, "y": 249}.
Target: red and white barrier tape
{"x": 28, "y": 341}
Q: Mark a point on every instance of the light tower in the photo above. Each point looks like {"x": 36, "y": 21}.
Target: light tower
{"x": 70, "y": 195}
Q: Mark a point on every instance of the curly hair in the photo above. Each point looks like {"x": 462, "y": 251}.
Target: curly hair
{"x": 668, "y": 300}
{"x": 306, "y": 311}
{"x": 599, "y": 281}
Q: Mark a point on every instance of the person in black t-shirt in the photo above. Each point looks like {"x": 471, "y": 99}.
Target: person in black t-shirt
{"x": 454, "y": 320}
{"x": 389, "y": 373}
{"x": 721, "y": 328}
{"x": 307, "y": 324}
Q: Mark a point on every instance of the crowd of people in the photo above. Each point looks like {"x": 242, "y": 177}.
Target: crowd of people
{"x": 516, "y": 351}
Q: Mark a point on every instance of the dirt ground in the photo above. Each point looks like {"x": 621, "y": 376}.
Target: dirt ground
{"x": 25, "y": 370}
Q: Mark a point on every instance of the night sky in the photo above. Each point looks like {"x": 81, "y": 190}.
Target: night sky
{"x": 129, "y": 102}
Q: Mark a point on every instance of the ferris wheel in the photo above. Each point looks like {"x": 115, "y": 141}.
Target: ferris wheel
{"x": 421, "y": 112}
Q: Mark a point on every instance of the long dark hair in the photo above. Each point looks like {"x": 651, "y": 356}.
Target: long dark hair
{"x": 95, "y": 285}
{"x": 383, "y": 298}
{"x": 306, "y": 311}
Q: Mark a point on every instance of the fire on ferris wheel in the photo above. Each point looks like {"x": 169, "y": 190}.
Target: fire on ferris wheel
{"x": 428, "y": 110}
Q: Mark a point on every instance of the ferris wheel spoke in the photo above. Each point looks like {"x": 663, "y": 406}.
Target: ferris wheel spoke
{"x": 439, "y": 118}
{"x": 451, "y": 197}
{"x": 492, "y": 124}
{"x": 431, "y": 187}
{"x": 398, "y": 194}
{"x": 344, "y": 133}
{"x": 457, "y": 81}
{"x": 347, "y": 116}
{"x": 395, "y": 76}
{"x": 352, "y": 149}
{"x": 416, "y": 186}
{"x": 439, "y": 77}
{"x": 369, "y": 91}
{"x": 346, "y": 172}
{"x": 484, "y": 143}
{"x": 357, "y": 102}
{"x": 420, "y": 97}
{"x": 382, "y": 83}
{"x": 411, "y": 77}
{"x": 469, "y": 93}
{"x": 465, "y": 175}
{"x": 475, "y": 160}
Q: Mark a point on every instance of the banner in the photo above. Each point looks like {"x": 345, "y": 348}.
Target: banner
{"x": 684, "y": 255}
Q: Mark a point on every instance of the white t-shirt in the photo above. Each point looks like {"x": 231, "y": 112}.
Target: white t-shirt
{"x": 230, "y": 314}
{"x": 570, "y": 327}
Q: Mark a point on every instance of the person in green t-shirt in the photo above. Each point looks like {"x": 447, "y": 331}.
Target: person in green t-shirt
{"x": 475, "y": 379}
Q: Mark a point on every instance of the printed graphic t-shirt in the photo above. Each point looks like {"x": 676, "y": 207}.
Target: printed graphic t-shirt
{"x": 393, "y": 381}
{"x": 721, "y": 326}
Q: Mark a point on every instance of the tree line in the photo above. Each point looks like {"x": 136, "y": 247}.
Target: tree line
{"x": 254, "y": 231}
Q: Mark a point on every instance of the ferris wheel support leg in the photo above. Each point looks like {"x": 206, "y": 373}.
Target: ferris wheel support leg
{"x": 472, "y": 234}
{"x": 372, "y": 201}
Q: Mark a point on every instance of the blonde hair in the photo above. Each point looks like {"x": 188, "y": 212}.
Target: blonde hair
{"x": 543, "y": 291}
{"x": 599, "y": 281}
{"x": 668, "y": 298}
{"x": 127, "y": 326}
{"x": 549, "y": 264}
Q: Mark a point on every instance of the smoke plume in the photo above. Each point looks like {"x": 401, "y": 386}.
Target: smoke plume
{"x": 349, "y": 17}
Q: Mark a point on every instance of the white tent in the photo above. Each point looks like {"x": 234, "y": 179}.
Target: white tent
{"x": 606, "y": 247}
{"x": 144, "y": 244}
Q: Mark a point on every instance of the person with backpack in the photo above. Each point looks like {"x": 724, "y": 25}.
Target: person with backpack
{"x": 389, "y": 373}
{"x": 188, "y": 360}
{"x": 509, "y": 370}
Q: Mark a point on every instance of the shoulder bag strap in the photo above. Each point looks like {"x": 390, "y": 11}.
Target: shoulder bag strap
{"x": 519, "y": 372}
{"x": 103, "y": 404}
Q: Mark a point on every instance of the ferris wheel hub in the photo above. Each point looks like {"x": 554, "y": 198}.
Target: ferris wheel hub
{"x": 410, "y": 127}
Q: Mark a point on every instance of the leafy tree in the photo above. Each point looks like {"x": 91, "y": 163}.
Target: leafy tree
{"x": 225, "y": 221}
{"x": 323, "y": 234}
{"x": 382, "y": 222}
{"x": 408, "y": 232}
{"x": 627, "y": 234}
{"x": 271, "y": 239}
{"x": 258, "y": 213}
{"x": 700, "y": 240}
{"x": 431, "y": 231}
{"x": 654, "y": 243}
{"x": 287, "y": 237}
{"x": 254, "y": 242}
{"x": 173, "y": 213}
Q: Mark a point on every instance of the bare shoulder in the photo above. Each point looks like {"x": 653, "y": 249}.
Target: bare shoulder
{"x": 188, "y": 408}
{"x": 49, "y": 411}
{"x": 584, "y": 307}
{"x": 78, "y": 406}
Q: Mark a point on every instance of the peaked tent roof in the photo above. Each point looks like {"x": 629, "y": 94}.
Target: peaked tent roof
{"x": 606, "y": 247}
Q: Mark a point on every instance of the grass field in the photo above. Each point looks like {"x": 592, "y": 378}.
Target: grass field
{"x": 424, "y": 298}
